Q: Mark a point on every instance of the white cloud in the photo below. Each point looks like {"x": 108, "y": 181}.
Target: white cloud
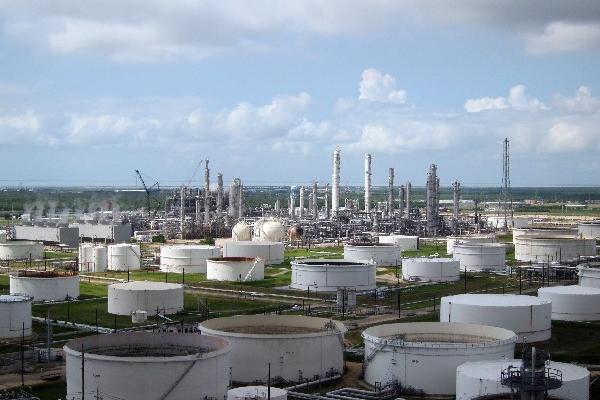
{"x": 568, "y": 137}
{"x": 560, "y": 37}
{"x": 517, "y": 99}
{"x": 485, "y": 103}
{"x": 583, "y": 101}
{"x": 375, "y": 86}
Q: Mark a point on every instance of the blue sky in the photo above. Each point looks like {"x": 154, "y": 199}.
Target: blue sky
{"x": 90, "y": 91}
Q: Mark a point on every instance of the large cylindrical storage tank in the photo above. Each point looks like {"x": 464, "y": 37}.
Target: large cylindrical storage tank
{"x": 129, "y": 297}
{"x": 549, "y": 232}
{"x": 379, "y": 253}
{"x": 191, "y": 258}
{"x": 86, "y": 257}
{"x": 327, "y": 275}
{"x": 100, "y": 258}
{"x": 270, "y": 252}
{"x": 403, "y": 241}
{"x": 424, "y": 355}
{"x": 589, "y": 230}
{"x": 452, "y": 240}
{"x": 15, "y": 316}
{"x": 573, "y": 303}
{"x": 474, "y": 380}
{"x": 534, "y": 249}
{"x": 528, "y": 316}
{"x": 45, "y": 285}
{"x": 146, "y": 365}
{"x": 21, "y": 250}
{"x": 589, "y": 276}
{"x": 235, "y": 269}
{"x": 124, "y": 257}
{"x": 257, "y": 393}
{"x": 297, "y": 347}
{"x": 481, "y": 257}
{"x": 424, "y": 269}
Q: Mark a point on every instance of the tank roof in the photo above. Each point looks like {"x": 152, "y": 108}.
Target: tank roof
{"x": 490, "y": 369}
{"x": 232, "y": 259}
{"x": 572, "y": 289}
{"x": 431, "y": 259}
{"x": 146, "y": 285}
{"x": 330, "y": 262}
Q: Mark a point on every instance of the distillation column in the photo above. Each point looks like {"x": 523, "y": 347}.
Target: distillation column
{"x": 315, "y": 208}
{"x": 391, "y": 193}
{"x": 206, "y": 193}
{"x": 368, "y": 183}
{"x": 335, "y": 191}
{"x": 219, "y": 196}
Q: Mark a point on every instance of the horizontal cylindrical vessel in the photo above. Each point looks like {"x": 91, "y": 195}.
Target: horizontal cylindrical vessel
{"x": 15, "y": 316}
{"x": 481, "y": 257}
{"x": 297, "y": 347}
{"x": 452, "y": 240}
{"x": 474, "y": 380}
{"x": 430, "y": 269}
{"x": 327, "y": 275}
{"x": 152, "y": 297}
{"x": 589, "y": 230}
{"x": 402, "y": 241}
{"x": 188, "y": 258}
{"x": 21, "y": 250}
{"x": 424, "y": 355}
{"x": 270, "y": 252}
{"x": 528, "y": 316}
{"x": 532, "y": 249}
{"x": 573, "y": 303}
{"x": 232, "y": 269}
{"x": 589, "y": 276}
{"x": 146, "y": 365}
{"x": 45, "y": 285}
{"x": 548, "y": 232}
{"x": 124, "y": 257}
{"x": 379, "y": 253}
{"x": 257, "y": 393}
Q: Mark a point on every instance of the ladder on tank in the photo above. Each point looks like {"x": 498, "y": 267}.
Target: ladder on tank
{"x": 249, "y": 274}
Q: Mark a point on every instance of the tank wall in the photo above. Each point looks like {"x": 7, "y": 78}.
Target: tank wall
{"x": 329, "y": 279}
{"x": 21, "y": 251}
{"x": 12, "y": 317}
{"x": 231, "y": 271}
{"x": 124, "y": 257}
{"x": 271, "y": 252}
{"x": 404, "y": 242}
{"x": 192, "y": 260}
{"x": 477, "y": 258}
{"x": 589, "y": 231}
{"x": 100, "y": 258}
{"x": 532, "y": 249}
{"x": 126, "y": 301}
{"x": 543, "y": 233}
{"x": 589, "y": 277}
{"x": 451, "y": 241}
{"x": 573, "y": 307}
{"x": 46, "y": 289}
{"x": 380, "y": 255}
{"x": 430, "y": 271}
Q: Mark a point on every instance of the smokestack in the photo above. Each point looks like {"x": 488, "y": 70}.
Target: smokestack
{"x": 432, "y": 207}
{"x": 315, "y": 206}
{"x": 367, "y": 183}
{"x": 335, "y": 191}
{"x": 456, "y": 199}
{"x": 206, "y": 193}
{"x": 408, "y": 196}
{"x": 291, "y": 205}
{"x": 301, "y": 202}
{"x": 182, "y": 211}
{"x": 277, "y": 207}
{"x": 401, "y": 200}
{"x": 391, "y": 192}
{"x": 219, "y": 196}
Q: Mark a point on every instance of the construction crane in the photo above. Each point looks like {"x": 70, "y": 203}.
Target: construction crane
{"x": 155, "y": 188}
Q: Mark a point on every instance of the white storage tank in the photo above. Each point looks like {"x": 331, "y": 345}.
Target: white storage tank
{"x": 129, "y": 297}
{"x": 270, "y": 252}
{"x": 257, "y": 393}
{"x": 379, "y": 253}
{"x": 528, "y": 316}
{"x": 3, "y": 236}
{"x": 235, "y": 269}
{"x": 21, "y": 250}
{"x": 544, "y": 232}
{"x": 45, "y": 285}
{"x": 425, "y": 269}
{"x": 573, "y": 303}
{"x": 542, "y": 249}
{"x": 269, "y": 231}
{"x": 403, "y": 241}
{"x": 15, "y": 316}
{"x": 589, "y": 230}
{"x": 589, "y": 276}
{"x": 297, "y": 347}
{"x": 191, "y": 258}
{"x": 481, "y": 256}
{"x": 424, "y": 355}
{"x": 100, "y": 258}
{"x": 327, "y": 275}
{"x": 124, "y": 257}
{"x": 146, "y": 365}
{"x": 452, "y": 240}
{"x": 475, "y": 380}
{"x": 241, "y": 232}
{"x": 86, "y": 257}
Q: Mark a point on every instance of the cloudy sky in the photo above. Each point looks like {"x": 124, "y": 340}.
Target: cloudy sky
{"x": 90, "y": 91}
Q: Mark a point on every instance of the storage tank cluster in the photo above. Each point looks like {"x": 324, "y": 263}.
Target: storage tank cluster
{"x": 297, "y": 347}
{"x": 188, "y": 258}
{"x": 235, "y": 269}
{"x": 21, "y": 250}
{"x": 489, "y": 257}
{"x": 528, "y": 316}
{"x": 403, "y": 241}
{"x": 93, "y": 258}
{"x": 382, "y": 254}
{"x": 124, "y": 257}
{"x": 424, "y": 269}
{"x": 423, "y": 356}
{"x": 452, "y": 240}
{"x": 15, "y": 316}
{"x": 146, "y": 365}
{"x": 149, "y": 297}
{"x": 556, "y": 248}
{"x": 270, "y": 252}
{"x": 328, "y": 275}
{"x": 45, "y": 285}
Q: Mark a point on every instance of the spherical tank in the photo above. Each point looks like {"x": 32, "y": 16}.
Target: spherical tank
{"x": 528, "y": 316}
{"x": 430, "y": 269}
{"x": 327, "y": 275}
{"x": 424, "y": 355}
{"x": 241, "y": 232}
{"x": 15, "y": 316}
{"x": 256, "y": 393}
{"x": 532, "y": 249}
{"x": 270, "y": 231}
{"x": 474, "y": 380}
{"x": 381, "y": 254}
{"x": 589, "y": 276}
{"x": 270, "y": 252}
{"x": 295, "y": 232}
{"x": 45, "y": 285}
{"x": 297, "y": 347}
{"x": 573, "y": 303}
{"x": 235, "y": 269}
{"x": 480, "y": 257}
{"x": 21, "y": 250}
{"x": 191, "y": 258}
{"x": 123, "y": 257}
{"x": 452, "y": 240}
{"x": 126, "y": 298}
{"x": 147, "y": 365}
{"x": 404, "y": 242}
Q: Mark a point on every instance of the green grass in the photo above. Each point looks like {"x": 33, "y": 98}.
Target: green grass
{"x": 50, "y": 391}
{"x": 575, "y": 342}
{"x": 427, "y": 249}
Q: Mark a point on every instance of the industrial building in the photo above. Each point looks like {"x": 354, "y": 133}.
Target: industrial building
{"x": 107, "y": 232}
{"x": 51, "y": 233}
